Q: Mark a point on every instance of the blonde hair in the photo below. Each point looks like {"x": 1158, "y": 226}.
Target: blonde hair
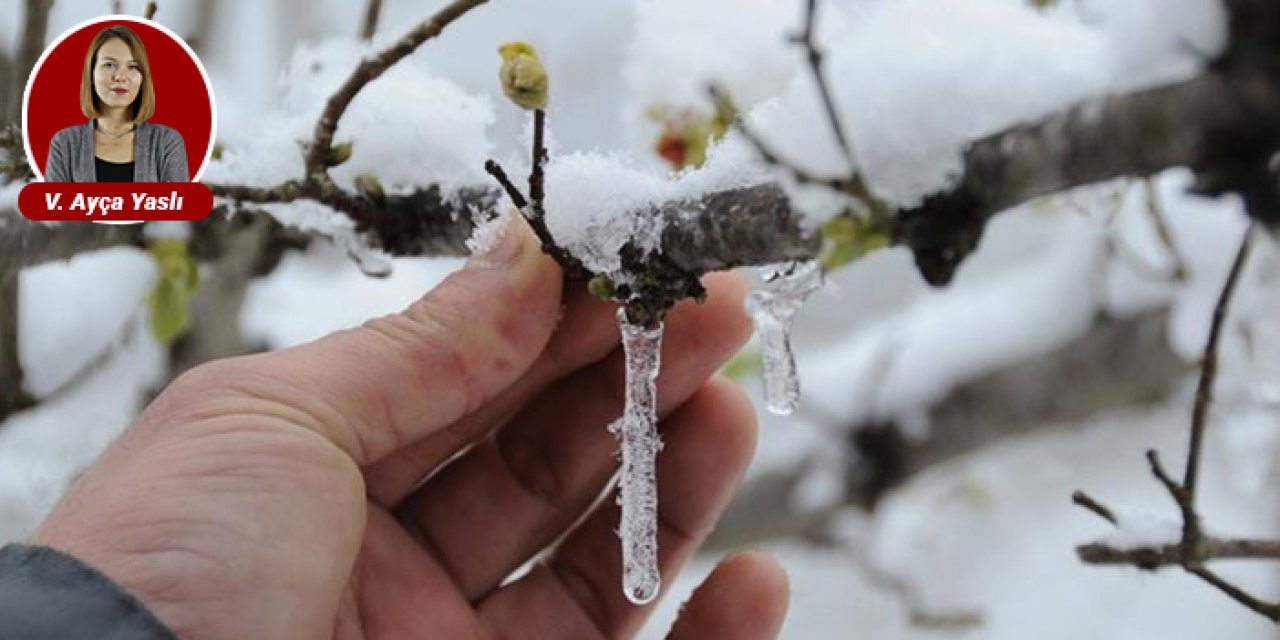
{"x": 144, "y": 106}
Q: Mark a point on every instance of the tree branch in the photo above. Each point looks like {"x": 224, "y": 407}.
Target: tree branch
{"x": 321, "y": 155}
{"x": 1152, "y": 558}
{"x": 12, "y": 396}
{"x": 24, "y": 243}
{"x": 1195, "y": 548}
{"x": 1137, "y": 134}
{"x": 1209, "y": 369}
{"x": 369, "y": 26}
{"x": 34, "y": 27}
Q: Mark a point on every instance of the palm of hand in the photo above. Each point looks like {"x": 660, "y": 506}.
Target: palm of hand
{"x": 280, "y": 496}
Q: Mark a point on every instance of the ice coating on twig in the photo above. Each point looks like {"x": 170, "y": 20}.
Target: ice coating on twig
{"x": 773, "y": 310}
{"x": 637, "y": 429}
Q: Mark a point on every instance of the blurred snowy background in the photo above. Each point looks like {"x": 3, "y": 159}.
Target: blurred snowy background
{"x": 1066, "y": 346}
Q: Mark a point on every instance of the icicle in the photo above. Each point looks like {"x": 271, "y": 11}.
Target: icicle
{"x": 773, "y": 311}
{"x": 637, "y": 429}
{"x": 370, "y": 261}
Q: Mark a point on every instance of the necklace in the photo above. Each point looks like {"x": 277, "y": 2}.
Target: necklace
{"x": 114, "y": 136}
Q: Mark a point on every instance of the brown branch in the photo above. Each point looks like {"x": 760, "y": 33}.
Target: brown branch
{"x": 814, "y": 58}
{"x": 517, "y": 198}
{"x": 150, "y": 12}
{"x": 12, "y": 396}
{"x": 34, "y": 28}
{"x": 1170, "y": 555}
{"x": 538, "y": 161}
{"x": 767, "y": 153}
{"x": 369, "y": 26}
{"x": 320, "y": 156}
{"x": 24, "y": 243}
{"x": 1137, "y": 134}
{"x": 1083, "y": 499}
{"x": 1194, "y": 548}
{"x": 1209, "y": 368}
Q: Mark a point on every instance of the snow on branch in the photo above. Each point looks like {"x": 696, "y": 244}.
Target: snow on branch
{"x": 1193, "y": 548}
{"x": 322, "y": 155}
{"x": 1128, "y": 135}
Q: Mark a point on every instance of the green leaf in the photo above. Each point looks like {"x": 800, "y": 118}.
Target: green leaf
{"x": 178, "y": 279}
{"x": 846, "y": 239}
{"x": 745, "y": 363}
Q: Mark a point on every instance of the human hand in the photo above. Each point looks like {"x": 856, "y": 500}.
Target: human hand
{"x": 280, "y": 495}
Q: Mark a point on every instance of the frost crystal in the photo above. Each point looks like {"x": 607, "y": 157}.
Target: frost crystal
{"x": 637, "y": 429}
{"x": 773, "y": 311}
{"x": 488, "y": 230}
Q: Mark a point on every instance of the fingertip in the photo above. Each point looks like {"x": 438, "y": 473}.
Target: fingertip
{"x": 745, "y": 597}
{"x": 764, "y": 573}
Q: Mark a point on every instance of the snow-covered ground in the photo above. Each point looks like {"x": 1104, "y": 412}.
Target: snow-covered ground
{"x": 990, "y": 534}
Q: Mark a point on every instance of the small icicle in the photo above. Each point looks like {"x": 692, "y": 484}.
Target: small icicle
{"x": 370, "y": 261}
{"x": 637, "y": 429}
{"x": 773, "y": 310}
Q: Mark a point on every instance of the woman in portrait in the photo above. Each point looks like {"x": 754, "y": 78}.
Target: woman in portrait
{"x": 117, "y": 144}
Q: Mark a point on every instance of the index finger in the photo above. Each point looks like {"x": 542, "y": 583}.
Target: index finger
{"x": 398, "y": 378}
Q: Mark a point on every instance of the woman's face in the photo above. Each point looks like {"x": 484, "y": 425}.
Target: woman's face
{"x": 116, "y": 78}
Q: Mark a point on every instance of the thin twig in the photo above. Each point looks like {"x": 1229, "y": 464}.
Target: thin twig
{"x": 801, "y": 175}
{"x": 1085, "y": 500}
{"x": 150, "y": 12}
{"x": 1195, "y": 548}
{"x": 494, "y": 169}
{"x": 369, "y": 26}
{"x": 320, "y": 156}
{"x": 358, "y": 208}
{"x": 537, "y": 178}
{"x": 854, "y": 185}
{"x": 1168, "y": 555}
{"x": 1209, "y": 368}
{"x": 1192, "y": 535}
{"x": 1268, "y": 610}
{"x": 1155, "y": 211}
{"x": 572, "y": 266}
{"x": 814, "y": 57}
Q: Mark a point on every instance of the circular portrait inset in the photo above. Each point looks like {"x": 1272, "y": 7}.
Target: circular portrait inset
{"x": 118, "y": 99}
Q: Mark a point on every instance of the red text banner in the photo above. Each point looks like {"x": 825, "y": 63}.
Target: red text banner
{"x": 115, "y": 202}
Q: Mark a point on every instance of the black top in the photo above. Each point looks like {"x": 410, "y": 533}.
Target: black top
{"x": 113, "y": 171}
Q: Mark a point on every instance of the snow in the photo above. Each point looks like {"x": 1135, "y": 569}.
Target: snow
{"x": 597, "y": 203}
{"x": 637, "y": 430}
{"x": 318, "y": 292}
{"x": 71, "y": 314}
{"x": 1140, "y": 529}
{"x": 94, "y": 297}
{"x": 915, "y": 82}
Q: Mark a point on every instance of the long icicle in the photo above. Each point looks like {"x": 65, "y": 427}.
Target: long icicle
{"x": 773, "y": 311}
{"x": 637, "y": 429}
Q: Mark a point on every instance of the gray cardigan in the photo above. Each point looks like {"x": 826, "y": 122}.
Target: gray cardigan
{"x": 159, "y": 155}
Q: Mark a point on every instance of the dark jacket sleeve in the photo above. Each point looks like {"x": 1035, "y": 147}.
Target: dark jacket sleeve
{"x": 46, "y": 594}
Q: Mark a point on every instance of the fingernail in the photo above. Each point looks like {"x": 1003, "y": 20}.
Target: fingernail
{"x": 495, "y": 242}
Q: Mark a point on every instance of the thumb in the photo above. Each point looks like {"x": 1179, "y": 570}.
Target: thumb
{"x": 398, "y": 378}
